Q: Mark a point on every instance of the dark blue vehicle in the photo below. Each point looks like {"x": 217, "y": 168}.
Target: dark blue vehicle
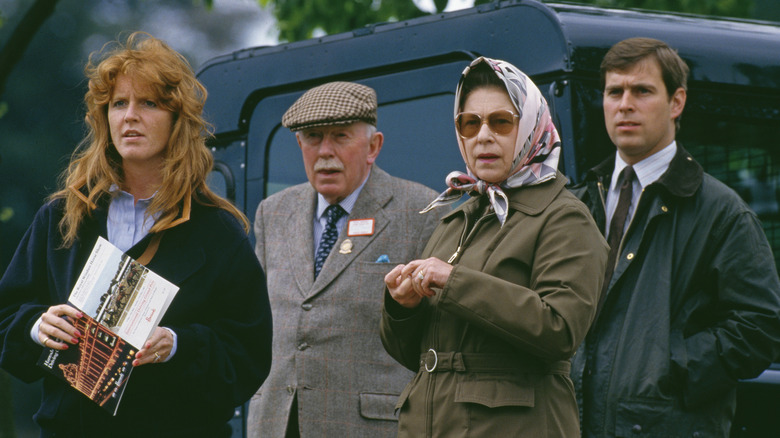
{"x": 731, "y": 123}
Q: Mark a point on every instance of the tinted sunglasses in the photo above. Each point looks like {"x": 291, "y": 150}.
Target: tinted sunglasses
{"x": 501, "y": 122}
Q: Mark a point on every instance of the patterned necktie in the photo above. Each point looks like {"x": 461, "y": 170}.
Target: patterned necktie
{"x": 617, "y": 225}
{"x": 329, "y": 236}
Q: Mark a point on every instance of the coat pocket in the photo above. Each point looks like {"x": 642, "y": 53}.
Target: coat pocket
{"x": 497, "y": 405}
{"x": 370, "y": 282}
{"x": 495, "y": 390}
{"x": 376, "y": 406}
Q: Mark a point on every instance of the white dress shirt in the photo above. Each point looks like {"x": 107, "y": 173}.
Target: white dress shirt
{"x": 647, "y": 172}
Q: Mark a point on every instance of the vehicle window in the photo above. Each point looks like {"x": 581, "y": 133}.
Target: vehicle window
{"x": 739, "y": 153}
{"x": 221, "y": 181}
{"x": 228, "y": 175}
{"x": 285, "y": 165}
{"x": 420, "y": 143}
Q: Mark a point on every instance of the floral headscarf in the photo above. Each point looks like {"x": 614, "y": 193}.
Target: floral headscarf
{"x": 537, "y": 149}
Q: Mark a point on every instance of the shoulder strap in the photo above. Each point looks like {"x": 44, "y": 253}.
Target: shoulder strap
{"x": 151, "y": 249}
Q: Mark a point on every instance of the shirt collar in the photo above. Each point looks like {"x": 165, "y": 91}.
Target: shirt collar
{"x": 116, "y": 191}
{"x": 648, "y": 170}
{"x": 347, "y": 203}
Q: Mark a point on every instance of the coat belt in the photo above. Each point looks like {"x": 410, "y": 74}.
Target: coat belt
{"x": 434, "y": 361}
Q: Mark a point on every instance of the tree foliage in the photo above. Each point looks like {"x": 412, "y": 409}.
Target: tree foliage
{"x": 299, "y": 19}
{"x": 723, "y": 8}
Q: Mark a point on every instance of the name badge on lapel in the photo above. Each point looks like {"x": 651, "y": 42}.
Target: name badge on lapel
{"x": 360, "y": 227}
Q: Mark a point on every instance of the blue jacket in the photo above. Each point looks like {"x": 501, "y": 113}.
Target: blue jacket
{"x": 221, "y": 315}
{"x": 693, "y": 306}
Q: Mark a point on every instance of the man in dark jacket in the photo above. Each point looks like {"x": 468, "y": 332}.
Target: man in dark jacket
{"x": 691, "y": 301}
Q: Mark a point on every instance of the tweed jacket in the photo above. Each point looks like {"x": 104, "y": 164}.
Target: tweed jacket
{"x": 221, "y": 316}
{"x": 326, "y": 348}
{"x": 491, "y": 349}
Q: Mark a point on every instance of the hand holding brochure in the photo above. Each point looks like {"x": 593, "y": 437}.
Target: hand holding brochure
{"x": 122, "y": 302}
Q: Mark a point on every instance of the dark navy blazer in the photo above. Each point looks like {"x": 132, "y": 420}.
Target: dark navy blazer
{"x": 221, "y": 315}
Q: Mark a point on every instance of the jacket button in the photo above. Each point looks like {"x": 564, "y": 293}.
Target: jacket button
{"x": 630, "y": 256}
{"x": 664, "y": 209}
{"x": 302, "y": 346}
{"x": 637, "y": 429}
{"x": 306, "y": 306}
{"x": 290, "y": 389}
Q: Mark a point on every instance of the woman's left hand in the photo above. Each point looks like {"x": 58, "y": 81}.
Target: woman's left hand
{"x": 426, "y": 274}
{"x": 156, "y": 348}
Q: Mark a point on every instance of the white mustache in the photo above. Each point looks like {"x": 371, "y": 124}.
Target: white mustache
{"x": 328, "y": 164}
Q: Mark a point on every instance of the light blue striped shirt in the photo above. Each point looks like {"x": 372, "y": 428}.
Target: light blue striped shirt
{"x": 647, "y": 172}
{"x": 127, "y": 223}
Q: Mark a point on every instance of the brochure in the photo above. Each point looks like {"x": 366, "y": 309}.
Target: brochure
{"x": 122, "y": 302}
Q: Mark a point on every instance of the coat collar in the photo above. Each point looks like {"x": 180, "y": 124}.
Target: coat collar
{"x": 185, "y": 251}
{"x": 682, "y": 179}
{"x": 79, "y": 188}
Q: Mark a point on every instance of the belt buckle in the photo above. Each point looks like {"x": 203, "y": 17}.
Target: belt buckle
{"x": 435, "y": 360}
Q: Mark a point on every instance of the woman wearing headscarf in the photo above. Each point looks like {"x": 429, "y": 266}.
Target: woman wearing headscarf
{"x": 139, "y": 180}
{"x": 508, "y": 283}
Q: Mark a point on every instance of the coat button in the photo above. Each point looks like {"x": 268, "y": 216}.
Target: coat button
{"x": 302, "y": 346}
{"x": 637, "y": 429}
{"x": 290, "y": 389}
{"x": 630, "y": 256}
{"x": 306, "y": 306}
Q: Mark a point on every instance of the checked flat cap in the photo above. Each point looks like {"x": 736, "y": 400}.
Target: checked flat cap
{"x": 334, "y": 103}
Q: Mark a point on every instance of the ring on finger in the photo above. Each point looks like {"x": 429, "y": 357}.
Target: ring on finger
{"x": 421, "y": 275}
{"x": 45, "y": 341}
{"x": 156, "y": 357}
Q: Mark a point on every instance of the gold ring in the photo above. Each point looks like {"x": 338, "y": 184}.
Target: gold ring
{"x": 45, "y": 341}
{"x": 156, "y": 356}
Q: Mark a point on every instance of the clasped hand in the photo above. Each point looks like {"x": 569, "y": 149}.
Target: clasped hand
{"x": 410, "y": 283}
{"x": 57, "y": 331}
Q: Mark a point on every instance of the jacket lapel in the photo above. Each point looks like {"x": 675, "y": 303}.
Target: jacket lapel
{"x": 300, "y": 257}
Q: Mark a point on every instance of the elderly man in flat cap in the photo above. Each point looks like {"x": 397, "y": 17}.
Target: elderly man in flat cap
{"x": 326, "y": 246}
